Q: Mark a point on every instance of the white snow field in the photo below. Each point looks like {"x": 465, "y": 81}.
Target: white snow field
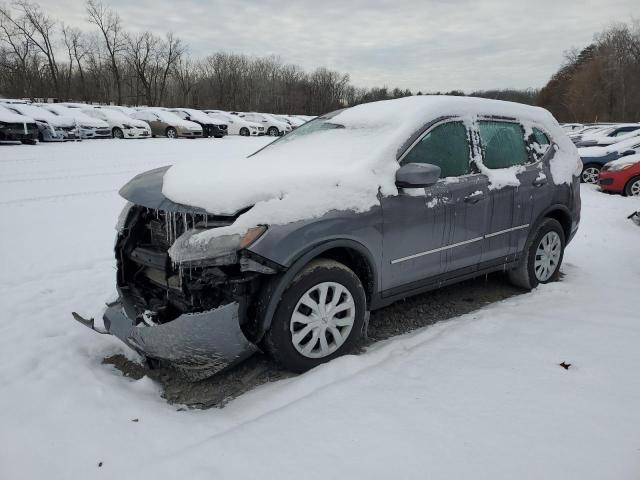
{"x": 479, "y": 396}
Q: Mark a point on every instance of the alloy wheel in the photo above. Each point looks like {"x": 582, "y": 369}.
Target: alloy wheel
{"x": 634, "y": 188}
{"x": 322, "y": 320}
{"x": 590, "y": 175}
{"x": 547, "y": 256}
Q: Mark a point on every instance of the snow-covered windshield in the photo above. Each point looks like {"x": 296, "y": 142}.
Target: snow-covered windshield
{"x": 197, "y": 115}
{"x": 320, "y": 124}
{"x": 168, "y": 117}
{"x": 33, "y": 111}
{"x": 115, "y": 115}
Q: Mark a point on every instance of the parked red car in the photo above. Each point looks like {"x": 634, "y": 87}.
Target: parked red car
{"x": 621, "y": 176}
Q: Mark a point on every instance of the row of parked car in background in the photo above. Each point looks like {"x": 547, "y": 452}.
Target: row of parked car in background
{"x": 610, "y": 154}
{"x": 27, "y": 122}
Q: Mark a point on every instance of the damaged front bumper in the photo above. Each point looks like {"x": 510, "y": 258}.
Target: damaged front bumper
{"x": 197, "y": 344}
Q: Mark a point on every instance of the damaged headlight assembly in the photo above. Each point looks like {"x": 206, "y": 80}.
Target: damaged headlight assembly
{"x": 220, "y": 250}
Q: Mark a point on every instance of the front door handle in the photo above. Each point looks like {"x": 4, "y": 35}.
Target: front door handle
{"x": 538, "y": 182}
{"x": 474, "y": 197}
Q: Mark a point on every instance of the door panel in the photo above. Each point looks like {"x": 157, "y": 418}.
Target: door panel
{"x": 500, "y": 217}
{"x": 414, "y": 231}
{"x": 467, "y": 211}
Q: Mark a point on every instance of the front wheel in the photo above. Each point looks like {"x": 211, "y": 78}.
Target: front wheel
{"x": 320, "y": 317}
{"x": 543, "y": 255}
{"x": 244, "y": 132}
{"x": 590, "y": 173}
{"x": 172, "y": 133}
{"x": 273, "y": 132}
{"x": 632, "y": 189}
{"x": 117, "y": 133}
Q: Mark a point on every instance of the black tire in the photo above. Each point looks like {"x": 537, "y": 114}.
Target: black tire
{"x": 273, "y": 132}
{"x": 632, "y": 188}
{"x": 171, "y": 132}
{"x": 278, "y": 340}
{"x": 30, "y": 141}
{"x": 40, "y": 137}
{"x": 117, "y": 133}
{"x": 244, "y": 131}
{"x": 588, "y": 172}
{"x": 524, "y": 275}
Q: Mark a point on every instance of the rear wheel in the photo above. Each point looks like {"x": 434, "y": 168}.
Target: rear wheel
{"x": 244, "y": 132}
{"x": 117, "y": 133}
{"x": 543, "y": 255}
{"x": 171, "y": 133}
{"x": 590, "y": 173}
{"x": 273, "y": 132}
{"x": 632, "y": 188}
{"x": 320, "y": 317}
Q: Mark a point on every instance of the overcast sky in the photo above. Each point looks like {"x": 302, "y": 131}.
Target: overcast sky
{"x": 426, "y": 45}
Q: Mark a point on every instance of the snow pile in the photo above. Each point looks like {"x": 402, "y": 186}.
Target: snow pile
{"x": 339, "y": 162}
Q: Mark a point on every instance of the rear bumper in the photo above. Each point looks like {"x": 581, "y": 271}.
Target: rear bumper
{"x": 199, "y": 344}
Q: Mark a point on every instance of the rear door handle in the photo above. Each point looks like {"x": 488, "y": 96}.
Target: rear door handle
{"x": 474, "y": 197}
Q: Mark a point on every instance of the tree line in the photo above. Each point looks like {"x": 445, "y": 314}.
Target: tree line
{"x": 41, "y": 57}
{"x": 599, "y": 83}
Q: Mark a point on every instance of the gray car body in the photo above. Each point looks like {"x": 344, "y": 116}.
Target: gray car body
{"x": 415, "y": 241}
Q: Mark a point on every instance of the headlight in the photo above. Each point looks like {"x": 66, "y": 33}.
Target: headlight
{"x": 127, "y": 126}
{"x": 621, "y": 166}
{"x": 214, "y": 251}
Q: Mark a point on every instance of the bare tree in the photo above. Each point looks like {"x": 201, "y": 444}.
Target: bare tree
{"x": 110, "y": 26}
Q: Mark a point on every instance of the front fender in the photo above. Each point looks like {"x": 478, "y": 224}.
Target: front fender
{"x": 269, "y": 298}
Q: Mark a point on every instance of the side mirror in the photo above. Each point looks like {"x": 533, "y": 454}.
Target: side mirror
{"x": 416, "y": 175}
{"x": 628, "y": 152}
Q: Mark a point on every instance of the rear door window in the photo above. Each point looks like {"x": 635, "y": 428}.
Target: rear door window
{"x": 502, "y": 144}
{"x": 446, "y": 146}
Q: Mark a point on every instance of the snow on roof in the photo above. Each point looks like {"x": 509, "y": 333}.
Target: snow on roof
{"x": 337, "y": 162}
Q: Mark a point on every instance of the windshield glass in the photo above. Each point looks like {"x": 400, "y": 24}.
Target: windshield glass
{"x": 168, "y": 117}
{"x": 319, "y": 124}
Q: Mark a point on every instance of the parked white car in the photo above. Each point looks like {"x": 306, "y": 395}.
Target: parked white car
{"x": 51, "y": 127}
{"x": 273, "y": 126}
{"x": 88, "y": 127}
{"x": 121, "y": 125}
{"x": 237, "y": 125}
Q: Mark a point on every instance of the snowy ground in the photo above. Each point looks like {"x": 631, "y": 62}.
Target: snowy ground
{"x": 478, "y": 396}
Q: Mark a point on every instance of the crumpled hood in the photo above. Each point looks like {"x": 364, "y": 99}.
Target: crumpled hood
{"x": 145, "y": 189}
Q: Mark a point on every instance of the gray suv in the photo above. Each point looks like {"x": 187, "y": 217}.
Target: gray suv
{"x": 302, "y": 290}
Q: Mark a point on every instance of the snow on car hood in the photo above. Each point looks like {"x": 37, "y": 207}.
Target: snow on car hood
{"x": 11, "y": 117}
{"x": 138, "y": 123}
{"x": 336, "y": 163}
